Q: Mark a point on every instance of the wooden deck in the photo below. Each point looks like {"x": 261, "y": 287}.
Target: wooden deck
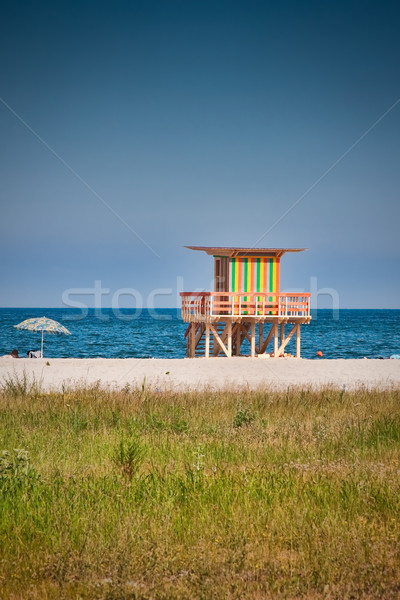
{"x": 219, "y": 322}
{"x": 211, "y": 306}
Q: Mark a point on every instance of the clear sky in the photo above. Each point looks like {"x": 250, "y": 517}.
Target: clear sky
{"x": 202, "y": 123}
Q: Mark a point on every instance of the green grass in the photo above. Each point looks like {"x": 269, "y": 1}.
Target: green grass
{"x": 138, "y": 494}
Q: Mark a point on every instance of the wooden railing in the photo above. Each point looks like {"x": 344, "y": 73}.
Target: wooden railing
{"x": 200, "y": 306}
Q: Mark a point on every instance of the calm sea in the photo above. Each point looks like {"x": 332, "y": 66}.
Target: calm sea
{"x": 160, "y": 334}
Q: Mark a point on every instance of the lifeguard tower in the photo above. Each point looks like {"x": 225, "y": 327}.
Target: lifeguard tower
{"x": 246, "y": 304}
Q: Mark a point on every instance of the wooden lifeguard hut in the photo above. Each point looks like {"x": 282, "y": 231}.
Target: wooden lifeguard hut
{"x": 246, "y": 303}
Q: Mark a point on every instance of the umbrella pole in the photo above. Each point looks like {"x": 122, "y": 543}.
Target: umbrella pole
{"x": 42, "y": 344}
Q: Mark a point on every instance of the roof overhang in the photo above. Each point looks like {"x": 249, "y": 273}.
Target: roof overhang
{"x": 234, "y": 252}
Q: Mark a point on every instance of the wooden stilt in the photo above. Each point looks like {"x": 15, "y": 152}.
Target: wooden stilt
{"x": 245, "y": 333}
{"x": 286, "y": 340}
{"x": 230, "y": 339}
{"x": 218, "y": 339}
{"x": 298, "y": 341}
{"x": 193, "y": 341}
{"x": 223, "y": 337}
{"x": 207, "y": 347}
{"x": 267, "y": 341}
{"x": 215, "y": 343}
{"x": 238, "y": 338}
{"x": 253, "y": 340}
{"x": 229, "y": 334}
{"x": 249, "y": 336}
{"x": 199, "y": 335}
{"x": 275, "y": 326}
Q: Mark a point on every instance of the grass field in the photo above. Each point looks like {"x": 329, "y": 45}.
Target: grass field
{"x": 139, "y": 494}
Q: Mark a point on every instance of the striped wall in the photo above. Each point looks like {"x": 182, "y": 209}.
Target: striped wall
{"x": 247, "y": 274}
{"x": 254, "y": 274}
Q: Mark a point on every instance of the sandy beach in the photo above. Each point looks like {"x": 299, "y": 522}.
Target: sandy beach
{"x": 213, "y": 373}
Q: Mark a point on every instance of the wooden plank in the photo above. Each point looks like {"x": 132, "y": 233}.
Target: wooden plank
{"x": 260, "y": 335}
{"x": 253, "y": 340}
{"x": 207, "y": 347}
{"x": 200, "y": 330}
{"x": 298, "y": 340}
{"x": 245, "y": 332}
{"x": 216, "y": 348}
{"x": 229, "y": 334}
{"x": 238, "y": 338}
{"x": 193, "y": 340}
{"x": 275, "y": 340}
{"x": 246, "y": 335}
{"x": 215, "y": 343}
{"x": 224, "y": 334}
{"x": 267, "y": 341}
{"x": 218, "y": 339}
{"x": 286, "y": 340}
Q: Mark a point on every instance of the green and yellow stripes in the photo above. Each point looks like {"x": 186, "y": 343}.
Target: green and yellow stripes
{"x": 254, "y": 274}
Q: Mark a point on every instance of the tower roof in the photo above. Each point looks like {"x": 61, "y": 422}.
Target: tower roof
{"x": 235, "y": 251}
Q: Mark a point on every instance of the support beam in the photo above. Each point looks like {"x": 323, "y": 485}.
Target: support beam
{"x": 207, "y": 347}
{"x": 286, "y": 340}
{"x": 298, "y": 341}
{"x": 218, "y": 339}
{"x": 282, "y": 334}
{"x": 199, "y": 335}
{"x": 260, "y": 336}
{"x": 267, "y": 341}
{"x": 193, "y": 340}
{"x": 253, "y": 340}
{"x": 245, "y": 332}
{"x": 215, "y": 343}
{"x": 224, "y": 334}
{"x": 275, "y": 326}
{"x": 238, "y": 338}
{"x": 229, "y": 334}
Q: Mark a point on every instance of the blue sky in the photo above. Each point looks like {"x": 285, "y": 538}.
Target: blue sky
{"x": 197, "y": 123}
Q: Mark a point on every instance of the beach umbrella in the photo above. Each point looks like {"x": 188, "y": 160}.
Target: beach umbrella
{"x": 44, "y": 325}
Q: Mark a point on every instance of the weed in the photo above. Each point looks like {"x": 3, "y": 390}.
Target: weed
{"x": 15, "y": 467}
{"x": 129, "y": 455}
{"x": 243, "y": 417}
{"x": 15, "y": 385}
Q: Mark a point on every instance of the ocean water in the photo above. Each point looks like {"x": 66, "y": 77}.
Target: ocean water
{"x": 160, "y": 334}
